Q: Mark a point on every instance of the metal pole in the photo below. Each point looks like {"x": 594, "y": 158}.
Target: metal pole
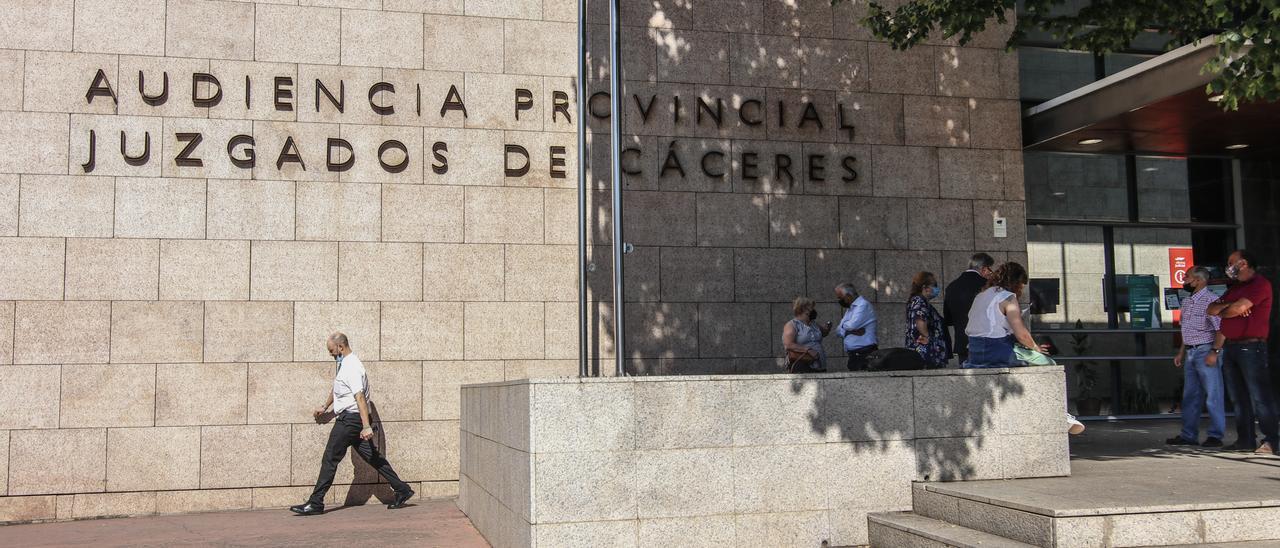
{"x": 1111, "y": 290}
{"x": 1237, "y": 194}
{"x": 615, "y": 146}
{"x": 582, "y": 188}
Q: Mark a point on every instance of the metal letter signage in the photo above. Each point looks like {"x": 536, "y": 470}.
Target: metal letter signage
{"x": 726, "y": 116}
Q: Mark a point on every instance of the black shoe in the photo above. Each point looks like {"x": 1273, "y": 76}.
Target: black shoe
{"x": 1212, "y": 442}
{"x": 1179, "y": 440}
{"x": 307, "y": 509}
{"x": 400, "y": 500}
{"x": 1237, "y": 446}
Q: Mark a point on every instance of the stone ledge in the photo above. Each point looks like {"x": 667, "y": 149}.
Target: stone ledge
{"x": 747, "y": 455}
{"x": 958, "y": 492}
{"x": 1046, "y": 370}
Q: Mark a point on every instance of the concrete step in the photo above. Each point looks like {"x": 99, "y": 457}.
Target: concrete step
{"x": 1041, "y": 518}
{"x": 910, "y": 530}
{"x": 1253, "y": 544}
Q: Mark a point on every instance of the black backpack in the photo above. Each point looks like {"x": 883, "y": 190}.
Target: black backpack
{"x": 895, "y": 359}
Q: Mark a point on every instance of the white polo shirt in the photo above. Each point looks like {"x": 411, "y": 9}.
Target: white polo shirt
{"x": 350, "y": 379}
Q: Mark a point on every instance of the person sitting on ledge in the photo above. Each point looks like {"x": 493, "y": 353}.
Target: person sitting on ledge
{"x": 353, "y": 426}
{"x": 995, "y": 325}
{"x": 803, "y": 340}
{"x": 995, "y": 321}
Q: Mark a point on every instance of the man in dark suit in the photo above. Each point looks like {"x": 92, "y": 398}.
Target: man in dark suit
{"x": 959, "y": 298}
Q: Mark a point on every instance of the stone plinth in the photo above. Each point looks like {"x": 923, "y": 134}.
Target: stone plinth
{"x": 764, "y": 460}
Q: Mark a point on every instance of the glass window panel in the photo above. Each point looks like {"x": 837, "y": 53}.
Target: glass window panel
{"x": 1116, "y": 62}
{"x": 1209, "y": 180}
{"x": 1075, "y": 186}
{"x": 1065, "y": 8}
{"x": 1146, "y": 251}
{"x": 1048, "y": 73}
{"x": 1260, "y": 194}
{"x": 1150, "y": 42}
{"x": 1073, "y": 256}
{"x": 1149, "y": 388}
{"x": 1163, "y": 190}
{"x": 1088, "y": 384}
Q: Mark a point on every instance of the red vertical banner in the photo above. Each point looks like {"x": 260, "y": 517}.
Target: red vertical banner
{"x": 1181, "y": 260}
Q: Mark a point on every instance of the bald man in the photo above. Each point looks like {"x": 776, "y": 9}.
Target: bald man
{"x": 353, "y": 426}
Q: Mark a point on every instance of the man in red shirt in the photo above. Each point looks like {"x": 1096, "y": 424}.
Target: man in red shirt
{"x": 1242, "y": 342}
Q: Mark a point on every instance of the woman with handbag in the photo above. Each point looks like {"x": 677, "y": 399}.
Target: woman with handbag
{"x": 803, "y": 340}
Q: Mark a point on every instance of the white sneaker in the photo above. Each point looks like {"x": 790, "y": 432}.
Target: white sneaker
{"x": 1074, "y": 426}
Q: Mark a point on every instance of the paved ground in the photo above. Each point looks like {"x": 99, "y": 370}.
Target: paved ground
{"x": 1133, "y": 453}
{"x": 1110, "y": 440}
{"x": 430, "y": 523}
{"x": 1155, "y": 477}
{"x": 1181, "y": 481}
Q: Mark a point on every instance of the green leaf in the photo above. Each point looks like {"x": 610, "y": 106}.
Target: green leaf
{"x": 1102, "y": 26}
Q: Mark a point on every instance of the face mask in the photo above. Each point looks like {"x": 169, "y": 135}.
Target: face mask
{"x": 934, "y": 292}
{"x": 813, "y": 314}
{"x": 1233, "y": 272}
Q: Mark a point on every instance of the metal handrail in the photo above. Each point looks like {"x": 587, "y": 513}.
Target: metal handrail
{"x": 1103, "y": 331}
{"x": 1100, "y": 223}
{"x": 615, "y": 154}
{"x": 583, "y": 182}
{"x": 1112, "y": 358}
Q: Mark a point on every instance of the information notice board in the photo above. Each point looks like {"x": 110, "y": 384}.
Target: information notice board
{"x": 1144, "y": 302}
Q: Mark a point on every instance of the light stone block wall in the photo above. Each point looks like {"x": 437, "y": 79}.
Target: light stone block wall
{"x": 162, "y": 325}
{"x": 719, "y": 258}
{"x": 219, "y": 279}
{"x": 742, "y": 460}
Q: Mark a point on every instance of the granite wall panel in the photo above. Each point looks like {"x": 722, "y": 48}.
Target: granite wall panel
{"x": 780, "y": 149}
{"x": 687, "y": 457}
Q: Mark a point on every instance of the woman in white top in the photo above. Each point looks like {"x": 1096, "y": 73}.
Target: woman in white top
{"x": 995, "y": 320}
{"x": 995, "y": 324}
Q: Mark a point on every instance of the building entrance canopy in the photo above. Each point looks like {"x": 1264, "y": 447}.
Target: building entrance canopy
{"x": 1158, "y": 107}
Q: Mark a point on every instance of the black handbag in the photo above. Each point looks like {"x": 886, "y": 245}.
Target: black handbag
{"x": 895, "y": 359}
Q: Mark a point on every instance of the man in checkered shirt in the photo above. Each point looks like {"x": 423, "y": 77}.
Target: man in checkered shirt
{"x": 1198, "y": 359}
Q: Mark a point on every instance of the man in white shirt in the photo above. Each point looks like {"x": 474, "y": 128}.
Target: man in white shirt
{"x": 352, "y": 426}
{"x": 857, "y": 328}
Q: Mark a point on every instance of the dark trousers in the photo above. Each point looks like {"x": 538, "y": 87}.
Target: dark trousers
{"x": 1249, "y": 382}
{"x": 346, "y": 433}
{"x": 859, "y": 358}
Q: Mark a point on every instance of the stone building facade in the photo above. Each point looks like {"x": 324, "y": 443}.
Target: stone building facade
{"x": 194, "y": 193}
{"x": 843, "y": 160}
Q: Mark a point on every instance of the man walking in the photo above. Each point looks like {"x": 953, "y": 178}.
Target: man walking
{"x": 1246, "y": 314}
{"x": 1198, "y": 357}
{"x": 960, "y": 295}
{"x": 857, "y": 328}
{"x": 352, "y": 426}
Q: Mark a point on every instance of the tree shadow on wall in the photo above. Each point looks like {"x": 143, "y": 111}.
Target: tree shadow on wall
{"x": 946, "y": 417}
{"x": 680, "y": 215}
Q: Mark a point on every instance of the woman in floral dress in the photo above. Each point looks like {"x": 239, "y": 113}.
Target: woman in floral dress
{"x": 924, "y": 323}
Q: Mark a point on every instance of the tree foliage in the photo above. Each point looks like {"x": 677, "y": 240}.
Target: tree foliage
{"x": 1247, "y": 32}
